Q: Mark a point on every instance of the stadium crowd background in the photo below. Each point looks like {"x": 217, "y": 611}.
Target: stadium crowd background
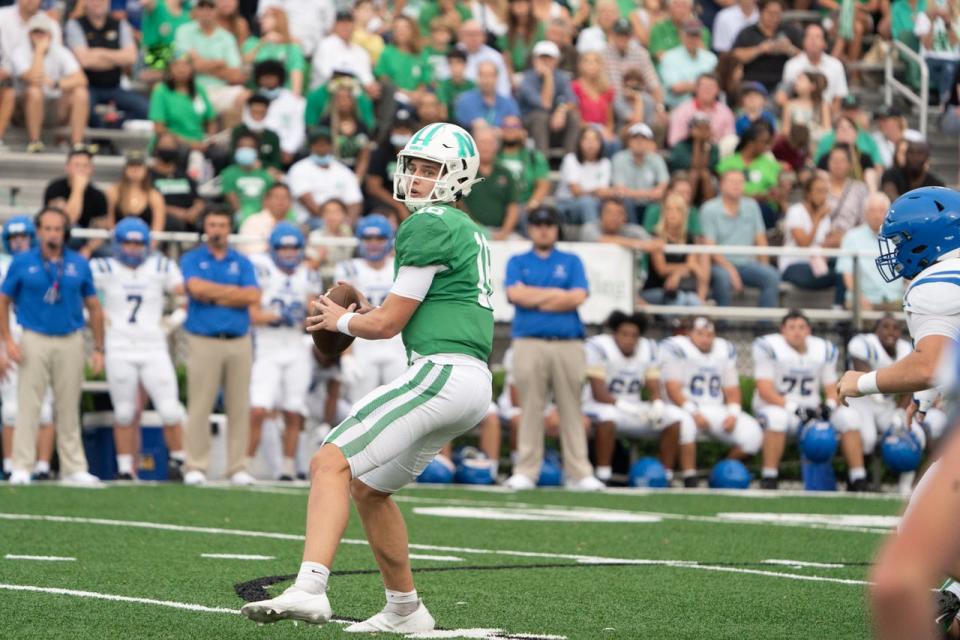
{"x": 643, "y": 124}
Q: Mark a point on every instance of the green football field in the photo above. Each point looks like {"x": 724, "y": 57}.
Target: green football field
{"x": 141, "y": 561}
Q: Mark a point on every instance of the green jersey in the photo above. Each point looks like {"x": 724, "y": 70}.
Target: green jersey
{"x": 456, "y": 316}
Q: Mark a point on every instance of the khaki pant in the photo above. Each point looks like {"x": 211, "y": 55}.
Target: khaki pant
{"x": 541, "y": 366}
{"x": 213, "y": 363}
{"x": 57, "y": 362}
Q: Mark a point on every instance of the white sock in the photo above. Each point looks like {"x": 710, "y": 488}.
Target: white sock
{"x": 494, "y": 468}
{"x": 402, "y": 603}
{"x": 42, "y": 466}
{"x": 312, "y": 577}
{"x": 953, "y": 587}
{"x": 289, "y": 467}
{"x": 767, "y": 472}
{"x": 7, "y": 465}
{"x": 603, "y": 473}
{"x": 179, "y": 456}
{"x": 689, "y": 473}
{"x": 125, "y": 463}
{"x": 857, "y": 473}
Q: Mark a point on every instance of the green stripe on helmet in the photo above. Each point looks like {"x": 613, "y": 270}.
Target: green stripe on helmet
{"x": 424, "y": 136}
{"x": 464, "y": 145}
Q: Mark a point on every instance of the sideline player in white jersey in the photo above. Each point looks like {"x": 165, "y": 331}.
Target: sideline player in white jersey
{"x": 371, "y": 363}
{"x": 620, "y": 364}
{"x": 790, "y": 368}
{"x": 700, "y": 372}
{"x": 282, "y": 365}
{"x": 19, "y": 234}
{"x": 132, "y": 286}
{"x": 920, "y": 242}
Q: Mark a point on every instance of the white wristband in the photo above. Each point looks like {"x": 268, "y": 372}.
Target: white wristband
{"x": 343, "y": 324}
{"x": 867, "y": 384}
{"x": 734, "y": 409}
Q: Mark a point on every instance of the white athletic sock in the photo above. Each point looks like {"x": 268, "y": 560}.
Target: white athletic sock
{"x": 312, "y": 577}
{"x": 289, "y": 467}
{"x": 8, "y": 465}
{"x": 42, "y": 466}
{"x": 494, "y": 468}
{"x": 179, "y": 456}
{"x": 402, "y": 603}
{"x": 857, "y": 473}
{"x": 767, "y": 472}
{"x": 953, "y": 587}
{"x": 125, "y": 463}
{"x": 603, "y": 473}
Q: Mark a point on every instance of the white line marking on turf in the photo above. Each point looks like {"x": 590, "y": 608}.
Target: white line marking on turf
{"x": 801, "y": 563}
{"x": 418, "y": 556}
{"x": 235, "y": 556}
{"x": 11, "y": 556}
{"x": 539, "y": 515}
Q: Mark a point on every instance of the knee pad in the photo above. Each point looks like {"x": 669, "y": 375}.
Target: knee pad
{"x": 845, "y": 419}
{"x": 749, "y": 435}
{"x": 774, "y": 418}
{"x": 171, "y": 412}
{"x": 123, "y": 412}
{"x": 688, "y": 429}
{"x": 868, "y": 438}
{"x": 8, "y": 412}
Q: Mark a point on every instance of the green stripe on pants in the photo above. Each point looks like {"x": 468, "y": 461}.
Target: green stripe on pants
{"x": 361, "y": 443}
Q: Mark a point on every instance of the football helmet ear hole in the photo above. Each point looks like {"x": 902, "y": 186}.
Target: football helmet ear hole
{"x": 919, "y": 249}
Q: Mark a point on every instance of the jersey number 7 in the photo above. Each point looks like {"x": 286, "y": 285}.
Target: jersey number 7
{"x": 137, "y": 300}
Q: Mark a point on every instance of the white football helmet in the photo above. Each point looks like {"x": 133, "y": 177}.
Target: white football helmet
{"x": 456, "y": 152}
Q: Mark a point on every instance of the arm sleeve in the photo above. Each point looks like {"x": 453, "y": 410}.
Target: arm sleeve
{"x": 859, "y": 349}
{"x": 188, "y": 266}
{"x": 528, "y": 95}
{"x": 11, "y": 282}
{"x": 707, "y": 224}
{"x": 763, "y": 360}
{"x": 922, "y": 326}
{"x": 828, "y": 374}
{"x": 414, "y": 282}
{"x": 424, "y": 240}
{"x": 73, "y": 36}
{"x": 729, "y": 376}
{"x": 578, "y": 275}
{"x": 248, "y": 275}
{"x": 126, "y": 35}
{"x": 173, "y": 277}
{"x": 514, "y": 273}
{"x": 87, "y": 288}
{"x": 672, "y": 363}
{"x": 157, "y": 111}
{"x": 596, "y": 360}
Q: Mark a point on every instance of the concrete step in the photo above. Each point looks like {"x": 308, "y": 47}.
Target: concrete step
{"x": 17, "y": 166}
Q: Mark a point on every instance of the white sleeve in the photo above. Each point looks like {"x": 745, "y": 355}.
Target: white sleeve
{"x": 569, "y": 169}
{"x": 414, "y": 282}
{"x": 828, "y": 374}
{"x": 173, "y": 278}
{"x": 859, "y": 349}
{"x": 671, "y": 364}
{"x": 763, "y": 360}
{"x": 923, "y": 325}
{"x": 933, "y": 308}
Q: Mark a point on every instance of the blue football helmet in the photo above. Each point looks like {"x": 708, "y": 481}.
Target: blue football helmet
{"x": 131, "y": 230}
{"x": 551, "y": 473}
{"x": 648, "y": 472}
{"x": 901, "y": 450}
{"x": 921, "y": 226}
{"x": 19, "y": 226}
{"x": 818, "y": 441}
{"x": 730, "y": 474}
{"x": 375, "y": 226}
{"x": 439, "y": 471}
{"x": 283, "y": 236}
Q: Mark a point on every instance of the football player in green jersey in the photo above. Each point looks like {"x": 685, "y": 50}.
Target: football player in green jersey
{"x": 440, "y": 303}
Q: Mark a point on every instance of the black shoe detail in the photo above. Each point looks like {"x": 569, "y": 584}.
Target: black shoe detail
{"x": 769, "y": 483}
{"x": 947, "y": 606}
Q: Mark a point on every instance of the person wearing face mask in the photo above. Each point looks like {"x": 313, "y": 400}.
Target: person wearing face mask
{"x": 245, "y": 181}
{"x": 527, "y": 164}
{"x": 268, "y": 142}
{"x": 285, "y": 110}
{"x": 320, "y": 177}
{"x": 378, "y": 183}
{"x": 179, "y": 191}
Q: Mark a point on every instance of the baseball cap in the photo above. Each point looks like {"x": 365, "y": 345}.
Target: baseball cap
{"x": 640, "y": 129}
{"x": 544, "y": 215}
{"x": 403, "y": 118}
{"x": 319, "y": 133}
{"x": 692, "y": 26}
{"x": 752, "y": 86}
{"x": 850, "y": 101}
{"x": 40, "y": 22}
{"x": 888, "y": 112}
{"x": 622, "y": 27}
{"x": 344, "y": 16}
{"x": 546, "y": 48}
{"x": 206, "y": 3}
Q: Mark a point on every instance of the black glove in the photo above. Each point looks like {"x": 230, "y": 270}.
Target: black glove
{"x": 806, "y": 414}
{"x": 825, "y": 411}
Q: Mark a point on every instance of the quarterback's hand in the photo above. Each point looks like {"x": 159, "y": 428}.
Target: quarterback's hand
{"x": 327, "y": 313}
{"x": 730, "y": 423}
{"x": 96, "y": 362}
{"x": 847, "y": 387}
{"x": 365, "y": 305}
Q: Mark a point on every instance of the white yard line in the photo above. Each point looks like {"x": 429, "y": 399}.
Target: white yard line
{"x": 235, "y": 556}
{"x": 420, "y": 556}
{"x": 802, "y": 563}
{"x": 11, "y": 556}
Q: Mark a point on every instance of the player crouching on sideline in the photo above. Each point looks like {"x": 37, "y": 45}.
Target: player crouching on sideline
{"x": 790, "y": 368}
{"x": 132, "y": 285}
{"x": 280, "y": 378}
{"x": 619, "y": 365}
{"x": 19, "y": 235}
{"x": 700, "y": 372}
{"x": 440, "y": 302}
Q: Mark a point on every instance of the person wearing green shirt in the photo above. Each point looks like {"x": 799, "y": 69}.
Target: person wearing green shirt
{"x": 527, "y": 165}
{"x": 268, "y": 142}
{"x": 665, "y": 35}
{"x": 444, "y": 9}
{"x": 161, "y": 19}
{"x": 865, "y": 143}
{"x": 450, "y": 89}
{"x": 903, "y": 16}
{"x": 275, "y": 43}
{"x": 402, "y": 62}
{"x": 180, "y": 106}
{"x": 492, "y": 203}
{"x": 318, "y": 102}
{"x": 759, "y": 167}
{"x": 523, "y": 31}
{"x": 245, "y": 182}
{"x": 215, "y": 55}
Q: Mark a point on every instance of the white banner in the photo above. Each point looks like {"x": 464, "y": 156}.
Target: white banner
{"x": 610, "y": 273}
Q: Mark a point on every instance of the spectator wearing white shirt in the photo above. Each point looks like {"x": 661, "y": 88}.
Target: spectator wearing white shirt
{"x": 277, "y": 207}
{"x": 13, "y": 25}
{"x": 337, "y": 51}
{"x": 730, "y": 21}
{"x": 320, "y": 177}
{"x": 285, "y": 115}
{"x": 807, "y": 224}
{"x": 585, "y": 178}
{"x": 595, "y": 38}
{"x": 50, "y": 83}
{"x": 310, "y": 20}
{"x": 875, "y": 292}
{"x": 471, "y": 36}
{"x": 814, "y": 57}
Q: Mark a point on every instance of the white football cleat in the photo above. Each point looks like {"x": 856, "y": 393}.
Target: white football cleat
{"x": 242, "y": 479}
{"x": 81, "y": 479}
{"x": 517, "y": 481}
{"x": 194, "y": 478}
{"x": 20, "y": 477}
{"x": 586, "y": 483}
{"x": 292, "y": 604}
{"x": 419, "y": 621}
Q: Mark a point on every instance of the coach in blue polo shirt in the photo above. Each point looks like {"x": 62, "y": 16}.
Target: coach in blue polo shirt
{"x": 49, "y": 286}
{"x": 546, "y": 286}
{"x": 221, "y": 285}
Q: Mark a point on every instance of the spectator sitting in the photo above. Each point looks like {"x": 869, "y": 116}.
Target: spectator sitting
{"x": 179, "y": 191}
{"x": 527, "y": 165}
{"x": 680, "y": 185}
{"x": 493, "y": 202}
{"x": 268, "y": 143}
{"x": 697, "y": 155}
{"x": 338, "y": 52}
{"x": 793, "y": 151}
{"x": 614, "y": 228}
{"x": 764, "y": 48}
{"x": 595, "y": 38}
{"x": 640, "y": 175}
{"x": 814, "y": 58}
{"x": 705, "y": 100}
{"x": 428, "y": 108}
{"x": 904, "y": 16}
{"x": 807, "y": 224}
{"x": 847, "y": 192}
{"x": 245, "y": 181}
{"x": 939, "y": 46}
{"x": 846, "y": 132}
{"x": 135, "y": 196}
{"x": 585, "y": 178}
{"x": 665, "y": 35}
{"x": 285, "y": 114}
{"x": 403, "y": 64}
{"x": 808, "y": 107}
{"x": 891, "y": 129}
{"x": 681, "y": 66}
{"x": 352, "y": 139}
{"x": 731, "y": 21}
{"x": 180, "y": 106}
{"x": 321, "y": 177}
{"x": 158, "y": 26}
{"x": 753, "y": 107}
{"x": 644, "y": 17}
{"x": 276, "y": 43}
{"x": 79, "y": 198}
{"x": 452, "y": 12}
{"x": 875, "y": 292}
{"x": 366, "y": 17}
{"x": 50, "y": 84}
{"x": 104, "y": 46}
{"x": 378, "y": 182}
{"x": 634, "y": 104}
{"x": 14, "y": 31}
{"x": 595, "y": 98}
{"x": 754, "y": 160}
{"x": 310, "y": 20}
{"x": 731, "y": 219}
{"x": 471, "y": 37}
{"x": 437, "y": 49}
{"x": 674, "y": 278}
{"x": 915, "y": 172}
{"x": 228, "y": 17}
{"x": 559, "y": 115}
{"x": 277, "y": 207}
{"x": 483, "y": 105}
{"x": 333, "y": 222}
{"x": 560, "y": 32}
{"x": 216, "y": 58}
{"x": 452, "y": 87}
{"x": 318, "y": 102}
{"x": 523, "y": 31}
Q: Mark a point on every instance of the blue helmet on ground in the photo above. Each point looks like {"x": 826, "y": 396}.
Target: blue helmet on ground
{"x": 818, "y": 441}
{"x": 439, "y": 471}
{"x": 648, "y": 472}
{"x": 921, "y": 226}
{"x": 730, "y": 474}
{"x": 18, "y": 226}
{"x": 901, "y": 450}
{"x": 551, "y": 471}
{"x": 473, "y": 466}
{"x": 375, "y": 226}
{"x": 131, "y": 230}
{"x": 284, "y": 236}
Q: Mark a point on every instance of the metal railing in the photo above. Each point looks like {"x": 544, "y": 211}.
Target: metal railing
{"x": 890, "y": 83}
